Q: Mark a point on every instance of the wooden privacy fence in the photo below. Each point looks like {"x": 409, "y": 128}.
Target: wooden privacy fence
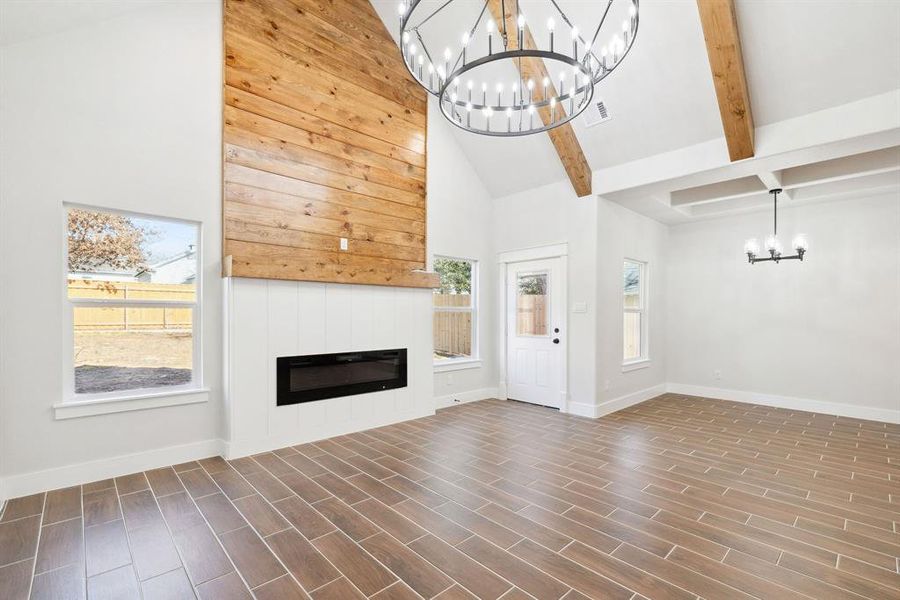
{"x": 452, "y": 329}
{"x": 531, "y": 314}
{"x": 121, "y": 318}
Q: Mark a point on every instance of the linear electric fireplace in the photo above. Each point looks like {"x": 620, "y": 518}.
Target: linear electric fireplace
{"x": 320, "y": 376}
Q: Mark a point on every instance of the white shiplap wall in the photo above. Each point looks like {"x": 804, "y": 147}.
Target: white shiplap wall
{"x": 266, "y": 319}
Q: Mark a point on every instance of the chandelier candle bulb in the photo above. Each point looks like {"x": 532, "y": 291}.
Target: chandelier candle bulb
{"x": 490, "y": 31}
{"x": 521, "y": 32}
{"x": 550, "y": 25}
{"x": 751, "y": 247}
{"x": 447, "y": 55}
{"x": 508, "y": 120}
{"x": 575, "y": 43}
{"x": 499, "y": 94}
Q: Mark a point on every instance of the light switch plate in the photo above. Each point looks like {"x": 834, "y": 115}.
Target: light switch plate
{"x": 579, "y": 307}
{"x": 344, "y": 243}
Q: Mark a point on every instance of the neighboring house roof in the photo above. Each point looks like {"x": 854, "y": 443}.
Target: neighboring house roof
{"x": 189, "y": 253}
{"x": 109, "y": 274}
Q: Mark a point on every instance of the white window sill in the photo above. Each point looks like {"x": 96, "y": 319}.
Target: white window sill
{"x": 74, "y": 409}
{"x": 457, "y": 365}
{"x": 634, "y": 365}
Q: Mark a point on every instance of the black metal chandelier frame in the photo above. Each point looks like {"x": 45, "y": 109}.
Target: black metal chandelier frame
{"x": 457, "y": 105}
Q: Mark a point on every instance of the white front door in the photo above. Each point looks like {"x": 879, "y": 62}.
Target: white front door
{"x": 535, "y": 347}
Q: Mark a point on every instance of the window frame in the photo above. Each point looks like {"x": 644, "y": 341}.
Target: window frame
{"x": 73, "y": 404}
{"x": 642, "y": 361}
{"x": 474, "y": 360}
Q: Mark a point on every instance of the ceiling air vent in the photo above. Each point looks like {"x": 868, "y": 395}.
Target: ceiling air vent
{"x": 596, "y": 113}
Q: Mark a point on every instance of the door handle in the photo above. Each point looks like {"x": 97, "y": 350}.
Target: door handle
{"x": 555, "y": 340}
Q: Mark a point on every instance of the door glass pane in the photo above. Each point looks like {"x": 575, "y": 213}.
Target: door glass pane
{"x": 632, "y": 335}
{"x": 532, "y": 304}
{"x": 123, "y": 348}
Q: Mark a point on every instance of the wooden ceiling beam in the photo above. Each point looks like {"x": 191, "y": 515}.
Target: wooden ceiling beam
{"x": 723, "y": 45}
{"x": 563, "y": 137}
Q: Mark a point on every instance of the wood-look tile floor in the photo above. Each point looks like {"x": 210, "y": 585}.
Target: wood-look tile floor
{"x": 678, "y": 497}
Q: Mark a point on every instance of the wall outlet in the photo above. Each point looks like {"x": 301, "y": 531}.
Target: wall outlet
{"x": 579, "y": 307}
{"x": 717, "y": 374}
{"x": 449, "y": 380}
{"x": 344, "y": 244}
{"x": 606, "y": 385}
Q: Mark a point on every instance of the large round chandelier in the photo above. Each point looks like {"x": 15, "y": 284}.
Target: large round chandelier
{"x": 496, "y": 73}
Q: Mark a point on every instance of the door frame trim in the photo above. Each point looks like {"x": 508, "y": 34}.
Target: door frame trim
{"x": 561, "y": 251}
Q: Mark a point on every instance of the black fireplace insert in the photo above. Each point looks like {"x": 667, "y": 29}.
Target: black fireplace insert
{"x": 321, "y": 376}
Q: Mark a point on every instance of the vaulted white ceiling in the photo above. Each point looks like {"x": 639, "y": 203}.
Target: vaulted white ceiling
{"x": 800, "y": 57}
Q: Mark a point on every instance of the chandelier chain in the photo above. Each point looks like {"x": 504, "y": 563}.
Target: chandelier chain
{"x": 600, "y": 26}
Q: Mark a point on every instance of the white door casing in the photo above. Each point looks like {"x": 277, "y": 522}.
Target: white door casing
{"x": 533, "y": 367}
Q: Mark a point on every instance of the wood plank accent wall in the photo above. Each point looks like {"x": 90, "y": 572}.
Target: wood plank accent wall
{"x": 324, "y": 138}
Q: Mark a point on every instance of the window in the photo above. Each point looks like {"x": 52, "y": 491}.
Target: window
{"x": 635, "y": 308}
{"x": 132, "y": 288}
{"x": 531, "y": 304}
{"x": 455, "y": 305}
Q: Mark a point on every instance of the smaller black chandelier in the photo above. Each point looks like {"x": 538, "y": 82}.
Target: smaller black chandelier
{"x": 773, "y": 246}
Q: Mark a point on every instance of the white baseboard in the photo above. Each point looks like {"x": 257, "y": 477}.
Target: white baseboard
{"x": 86, "y": 472}
{"x": 788, "y": 402}
{"x": 594, "y": 411}
{"x": 464, "y": 397}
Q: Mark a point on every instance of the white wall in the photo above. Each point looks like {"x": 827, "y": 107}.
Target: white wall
{"x": 460, "y": 226}
{"x": 622, "y": 234}
{"x": 120, "y": 114}
{"x": 548, "y": 215}
{"x": 826, "y": 330}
